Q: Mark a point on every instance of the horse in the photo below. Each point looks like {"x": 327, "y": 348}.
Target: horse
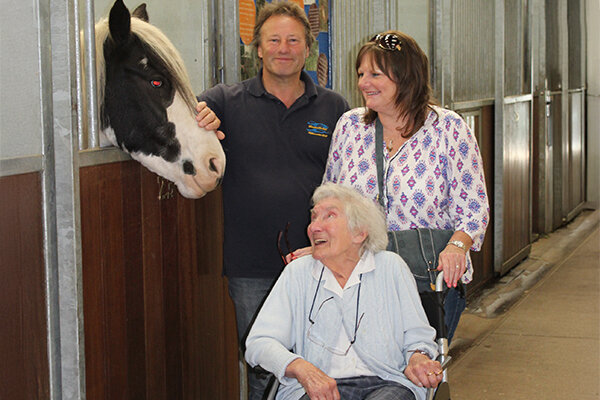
{"x": 146, "y": 103}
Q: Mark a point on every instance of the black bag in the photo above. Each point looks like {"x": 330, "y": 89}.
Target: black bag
{"x": 418, "y": 247}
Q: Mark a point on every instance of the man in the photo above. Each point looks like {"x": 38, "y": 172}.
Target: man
{"x": 278, "y": 127}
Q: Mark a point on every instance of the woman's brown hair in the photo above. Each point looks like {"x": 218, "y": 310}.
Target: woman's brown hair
{"x": 408, "y": 67}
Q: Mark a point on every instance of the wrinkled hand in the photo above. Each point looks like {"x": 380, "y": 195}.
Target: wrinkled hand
{"x": 298, "y": 253}
{"x": 208, "y": 120}
{"x": 423, "y": 371}
{"x": 315, "y": 382}
{"x": 449, "y": 259}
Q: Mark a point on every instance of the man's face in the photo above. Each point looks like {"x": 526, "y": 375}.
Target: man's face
{"x": 282, "y": 47}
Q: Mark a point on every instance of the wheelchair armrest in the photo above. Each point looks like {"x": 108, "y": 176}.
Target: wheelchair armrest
{"x": 271, "y": 390}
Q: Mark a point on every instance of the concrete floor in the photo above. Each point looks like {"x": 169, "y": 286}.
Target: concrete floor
{"x": 535, "y": 334}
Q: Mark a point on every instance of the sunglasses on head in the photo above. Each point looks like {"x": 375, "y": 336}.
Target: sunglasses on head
{"x": 389, "y": 41}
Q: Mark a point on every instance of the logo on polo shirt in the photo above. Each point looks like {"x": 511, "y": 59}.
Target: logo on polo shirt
{"x": 317, "y": 129}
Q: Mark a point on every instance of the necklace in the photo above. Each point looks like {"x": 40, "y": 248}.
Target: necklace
{"x": 389, "y": 146}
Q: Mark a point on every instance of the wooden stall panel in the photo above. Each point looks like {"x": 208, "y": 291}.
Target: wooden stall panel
{"x": 104, "y": 234}
{"x": 158, "y": 321}
{"x": 23, "y": 334}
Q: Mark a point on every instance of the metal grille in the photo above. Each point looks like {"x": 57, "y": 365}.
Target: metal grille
{"x": 575, "y": 30}
{"x": 516, "y": 48}
{"x": 351, "y": 26}
{"x": 473, "y": 50}
{"x": 553, "y": 45}
{"x": 355, "y": 21}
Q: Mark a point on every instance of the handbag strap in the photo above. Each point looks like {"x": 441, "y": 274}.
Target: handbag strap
{"x": 379, "y": 158}
{"x": 431, "y": 263}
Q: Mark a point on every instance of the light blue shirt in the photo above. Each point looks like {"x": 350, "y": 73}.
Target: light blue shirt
{"x": 393, "y": 324}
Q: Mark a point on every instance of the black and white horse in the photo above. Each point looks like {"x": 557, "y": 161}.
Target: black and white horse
{"x": 147, "y": 107}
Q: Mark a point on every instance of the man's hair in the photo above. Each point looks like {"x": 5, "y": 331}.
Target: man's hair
{"x": 362, "y": 214}
{"x": 408, "y": 68}
{"x": 284, "y": 8}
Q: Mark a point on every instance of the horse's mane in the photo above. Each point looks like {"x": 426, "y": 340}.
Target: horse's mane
{"x": 158, "y": 43}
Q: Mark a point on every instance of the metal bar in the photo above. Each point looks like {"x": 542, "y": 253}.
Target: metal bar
{"x": 21, "y": 165}
{"x": 563, "y": 44}
{"x": 230, "y": 39}
{"x": 102, "y": 156}
{"x": 529, "y": 22}
{"x": 464, "y": 105}
{"x": 80, "y": 84}
{"x": 91, "y": 93}
{"x": 49, "y": 202}
{"x": 499, "y": 137}
{"x": 446, "y": 53}
{"x": 518, "y": 99}
{"x": 436, "y": 49}
{"x": 65, "y": 267}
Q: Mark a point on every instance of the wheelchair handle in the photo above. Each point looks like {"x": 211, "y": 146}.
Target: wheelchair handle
{"x": 439, "y": 282}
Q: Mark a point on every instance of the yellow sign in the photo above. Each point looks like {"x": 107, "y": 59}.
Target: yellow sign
{"x": 247, "y": 18}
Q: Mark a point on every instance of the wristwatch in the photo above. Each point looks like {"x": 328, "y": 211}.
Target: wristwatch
{"x": 458, "y": 244}
{"x": 425, "y": 353}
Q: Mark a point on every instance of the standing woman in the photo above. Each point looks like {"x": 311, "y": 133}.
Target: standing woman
{"x": 433, "y": 173}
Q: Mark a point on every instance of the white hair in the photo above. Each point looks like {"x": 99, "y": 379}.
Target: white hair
{"x": 362, "y": 214}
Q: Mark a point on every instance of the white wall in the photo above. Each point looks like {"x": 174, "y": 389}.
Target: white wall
{"x": 593, "y": 102}
{"x": 20, "y": 82}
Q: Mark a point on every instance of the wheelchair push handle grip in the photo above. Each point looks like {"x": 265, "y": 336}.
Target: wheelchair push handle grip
{"x": 439, "y": 282}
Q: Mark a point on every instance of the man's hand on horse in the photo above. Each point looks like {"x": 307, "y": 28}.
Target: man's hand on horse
{"x": 208, "y": 120}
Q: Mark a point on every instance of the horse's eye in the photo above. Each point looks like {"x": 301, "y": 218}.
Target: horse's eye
{"x": 156, "y": 83}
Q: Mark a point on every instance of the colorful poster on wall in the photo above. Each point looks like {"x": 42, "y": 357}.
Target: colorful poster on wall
{"x": 318, "y": 63}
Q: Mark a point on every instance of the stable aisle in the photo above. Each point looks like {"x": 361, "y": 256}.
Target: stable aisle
{"x": 546, "y": 344}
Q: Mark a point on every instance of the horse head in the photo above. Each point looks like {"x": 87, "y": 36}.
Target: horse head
{"x": 147, "y": 107}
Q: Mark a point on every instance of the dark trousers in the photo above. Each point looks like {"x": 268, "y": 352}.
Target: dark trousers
{"x": 370, "y": 388}
{"x": 248, "y": 295}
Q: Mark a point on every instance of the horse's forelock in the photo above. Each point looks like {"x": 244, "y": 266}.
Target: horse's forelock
{"x": 159, "y": 44}
{"x": 164, "y": 49}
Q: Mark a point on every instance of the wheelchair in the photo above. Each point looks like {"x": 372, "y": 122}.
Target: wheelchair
{"x": 433, "y": 304}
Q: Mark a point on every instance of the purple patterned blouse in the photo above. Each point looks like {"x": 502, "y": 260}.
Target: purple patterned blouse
{"x": 435, "y": 179}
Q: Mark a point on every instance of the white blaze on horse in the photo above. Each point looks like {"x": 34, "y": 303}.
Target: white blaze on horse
{"x": 147, "y": 107}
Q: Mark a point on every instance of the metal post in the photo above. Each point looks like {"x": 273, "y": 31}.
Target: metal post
{"x": 66, "y": 266}
{"x": 499, "y": 137}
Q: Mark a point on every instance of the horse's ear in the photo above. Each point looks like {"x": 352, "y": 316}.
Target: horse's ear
{"x": 141, "y": 13}
{"x": 119, "y": 22}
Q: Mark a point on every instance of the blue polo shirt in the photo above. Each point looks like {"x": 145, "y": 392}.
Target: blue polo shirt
{"x": 275, "y": 159}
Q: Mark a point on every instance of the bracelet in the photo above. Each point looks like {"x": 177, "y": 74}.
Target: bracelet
{"x": 458, "y": 244}
{"x": 421, "y": 352}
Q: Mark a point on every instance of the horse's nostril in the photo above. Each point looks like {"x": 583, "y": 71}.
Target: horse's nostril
{"x": 212, "y": 166}
{"x": 188, "y": 168}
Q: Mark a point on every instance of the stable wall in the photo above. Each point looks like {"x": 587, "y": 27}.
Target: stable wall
{"x": 593, "y": 103}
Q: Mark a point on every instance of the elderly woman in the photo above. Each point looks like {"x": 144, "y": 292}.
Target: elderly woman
{"x": 346, "y": 320}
